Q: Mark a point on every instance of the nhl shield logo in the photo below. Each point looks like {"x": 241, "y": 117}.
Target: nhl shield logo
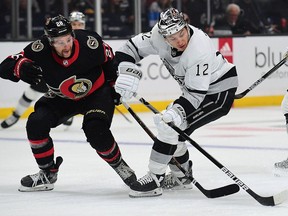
{"x": 65, "y": 62}
{"x": 92, "y": 42}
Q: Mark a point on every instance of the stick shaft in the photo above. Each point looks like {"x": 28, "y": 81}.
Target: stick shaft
{"x": 214, "y": 193}
{"x": 123, "y": 114}
{"x": 267, "y": 201}
{"x": 272, "y": 70}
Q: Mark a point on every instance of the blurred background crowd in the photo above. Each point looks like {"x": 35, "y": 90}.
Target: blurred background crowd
{"x": 24, "y": 19}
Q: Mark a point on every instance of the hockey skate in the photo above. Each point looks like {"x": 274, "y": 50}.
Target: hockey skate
{"x": 11, "y": 120}
{"x": 126, "y": 173}
{"x": 43, "y": 180}
{"x": 149, "y": 185}
{"x": 281, "y": 168}
{"x": 178, "y": 183}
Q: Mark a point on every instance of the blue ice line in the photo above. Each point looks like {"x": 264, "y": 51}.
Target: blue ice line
{"x": 150, "y": 143}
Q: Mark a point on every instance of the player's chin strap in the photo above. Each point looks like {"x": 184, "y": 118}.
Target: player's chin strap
{"x": 266, "y": 201}
{"x": 213, "y": 193}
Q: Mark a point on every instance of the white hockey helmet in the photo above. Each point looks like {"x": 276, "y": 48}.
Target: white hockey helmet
{"x": 171, "y": 21}
{"x": 77, "y": 16}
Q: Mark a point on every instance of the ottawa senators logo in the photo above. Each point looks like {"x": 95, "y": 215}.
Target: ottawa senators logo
{"x": 79, "y": 88}
{"x": 75, "y": 88}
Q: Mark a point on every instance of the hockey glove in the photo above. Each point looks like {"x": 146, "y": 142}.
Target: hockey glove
{"x": 176, "y": 114}
{"x": 165, "y": 134}
{"x": 116, "y": 97}
{"x": 28, "y": 71}
{"x": 128, "y": 80}
{"x": 286, "y": 117}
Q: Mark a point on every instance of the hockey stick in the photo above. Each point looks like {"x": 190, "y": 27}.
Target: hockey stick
{"x": 214, "y": 193}
{"x": 272, "y": 70}
{"x": 266, "y": 201}
{"x": 123, "y": 114}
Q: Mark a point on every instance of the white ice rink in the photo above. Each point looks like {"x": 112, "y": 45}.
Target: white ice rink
{"x": 247, "y": 141}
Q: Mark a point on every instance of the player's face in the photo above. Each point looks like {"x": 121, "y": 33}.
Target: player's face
{"x": 77, "y": 25}
{"x": 63, "y": 45}
{"x": 179, "y": 40}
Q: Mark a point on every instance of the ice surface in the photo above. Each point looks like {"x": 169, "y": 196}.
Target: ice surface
{"x": 246, "y": 141}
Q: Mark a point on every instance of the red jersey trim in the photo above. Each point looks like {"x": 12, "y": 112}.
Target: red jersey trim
{"x": 67, "y": 62}
{"x": 98, "y": 83}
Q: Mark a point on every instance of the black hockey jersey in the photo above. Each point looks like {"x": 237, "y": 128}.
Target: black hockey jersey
{"x": 89, "y": 66}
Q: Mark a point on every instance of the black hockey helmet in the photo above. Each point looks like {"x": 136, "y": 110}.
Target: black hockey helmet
{"x": 57, "y": 26}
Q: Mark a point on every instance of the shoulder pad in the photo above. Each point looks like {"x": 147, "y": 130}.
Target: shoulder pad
{"x": 92, "y": 39}
{"x": 37, "y": 46}
{"x": 92, "y": 42}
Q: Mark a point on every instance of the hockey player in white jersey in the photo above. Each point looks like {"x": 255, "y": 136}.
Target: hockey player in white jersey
{"x": 208, "y": 83}
{"x": 281, "y": 168}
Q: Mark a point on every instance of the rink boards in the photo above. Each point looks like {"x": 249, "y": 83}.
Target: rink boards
{"x": 253, "y": 57}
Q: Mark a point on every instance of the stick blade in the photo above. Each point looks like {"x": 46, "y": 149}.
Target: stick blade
{"x": 242, "y": 94}
{"x": 217, "y": 192}
{"x": 274, "y": 200}
{"x": 224, "y": 191}
{"x": 280, "y": 197}
{"x": 238, "y": 96}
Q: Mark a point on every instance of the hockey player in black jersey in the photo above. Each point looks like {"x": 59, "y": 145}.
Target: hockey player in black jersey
{"x": 33, "y": 92}
{"x": 77, "y": 68}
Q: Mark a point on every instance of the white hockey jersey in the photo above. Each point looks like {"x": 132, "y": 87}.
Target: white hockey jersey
{"x": 197, "y": 70}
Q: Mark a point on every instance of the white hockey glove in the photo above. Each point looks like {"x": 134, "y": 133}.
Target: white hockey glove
{"x": 176, "y": 114}
{"x": 165, "y": 134}
{"x": 128, "y": 80}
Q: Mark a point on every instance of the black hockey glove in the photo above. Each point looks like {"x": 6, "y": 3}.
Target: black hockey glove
{"x": 286, "y": 117}
{"x": 28, "y": 71}
{"x": 116, "y": 97}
